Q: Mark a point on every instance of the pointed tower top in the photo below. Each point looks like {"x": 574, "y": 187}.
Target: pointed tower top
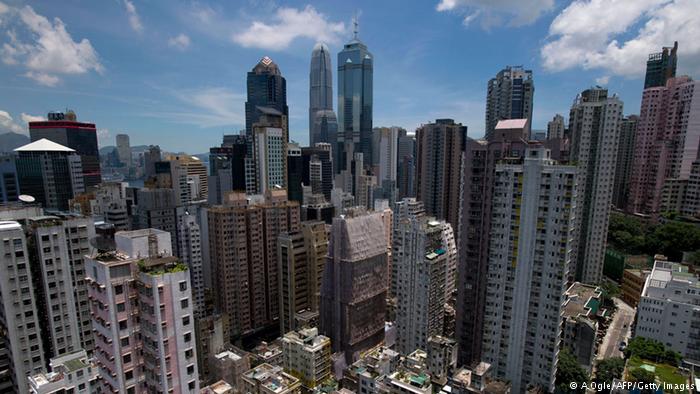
{"x": 355, "y": 26}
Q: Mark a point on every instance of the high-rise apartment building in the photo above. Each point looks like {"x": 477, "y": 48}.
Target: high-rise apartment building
{"x": 509, "y": 96}
{"x": 190, "y": 243}
{"x": 323, "y": 124}
{"x": 424, "y": 263}
{"x": 406, "y": 164}
{"x": 141, "y": 304}
{"x": 64, "y": 129}
{"x": 321, "y": 177}
{"x": 49, "y": 172}
{"x": 71, "y": 373}
{"x": 195, "y": 175}
{"x": 295, "y": 172}
{"x": 625, "y": 156}
{"x": 307, "y": 355}
{"x": 594, "y": 123}
{"x": 243, "y": 236}
{"x": 661, "y": 66}
{"x": 556, "y": 127}
{"x": 354, "y": 288}
{"x": 439, "y": 149}
{"x": 269, "y": 156}
{"x": 388, "y": 138}
{"x": 302, "y": 257}
{"x": 150, "y": 157}
{"x": 124, "y": 149}
{"x": 227, "y": 168}
{"x": 531, "y": 247}
{"x": 666, "y": 144}
{"x": 19, "y": 319}
{"x": 355, "y": 91}
{"x": 267, "y": 89}
{"x": 476, "y": 203}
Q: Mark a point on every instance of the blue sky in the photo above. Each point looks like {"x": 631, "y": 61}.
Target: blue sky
{"x": 172, "y": 72}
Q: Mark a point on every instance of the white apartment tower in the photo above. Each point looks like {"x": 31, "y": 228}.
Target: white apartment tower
{"x": 532, "y": 233}
{"x": 190, "y": 239}
{"x": 594, "y": 124}
{"x": 424, "y": 259}
{"x": 141, "y": 301}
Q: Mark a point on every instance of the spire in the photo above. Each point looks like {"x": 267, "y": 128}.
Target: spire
{"x": 355, "y": 26}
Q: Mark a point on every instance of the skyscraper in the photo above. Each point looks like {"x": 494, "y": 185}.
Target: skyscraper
{"x": 323, "y": 124}
{"x": 661, "y": 66}
{"x": 509, "y": 96}
{"x": 9, "y": 185}
{"x": 269, "y": 156}
{"x": 387, "y": 154}
{"x": 668, "y": 135}
{"x": 65, "y": 129}
{"x": 476, "y": 202}
{"x": 439, "y": 149}
{"x": 424, "y": 260}
{"x": 625, "y": 156}
{"x": 150, "y": 157}
{"x": 321, "y": 152}
{"x": 267, "y": 88}
{"x": 354, "y": 289}
{"x": 355, "y": 87}
{"x": 406, "y": 166}
{"x": 227, "y": 168}
{"x": 555, "y": 127}
{"x": 49, "y": 172}
{"x": 533, "y": 222}
{"x": 124, "y": 149}
{"x": 594, "y": 124}
{"x": 295, "y": 170}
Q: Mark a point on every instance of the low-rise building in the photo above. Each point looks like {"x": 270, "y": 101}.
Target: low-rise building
{"x": 669, "y": 309}
{"x": 442, "y": 358}
{"x": 579, "y": 323}
{"x": 70, "y": 373}
{"x": 307, "y": 355}
{"x": 229, "y": 366}
{"x": 405, "y": 381}
{"x": 367, "y": 374}
{"x": 219, "y": 387}
{"x": 475, "y": 380}
{"x": 269, "y": 379}
{"x": 632, "y": 285}
{"x": 267, "y": 353}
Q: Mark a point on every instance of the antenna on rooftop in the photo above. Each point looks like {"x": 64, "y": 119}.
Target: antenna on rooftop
{"x": 355, "y": 25}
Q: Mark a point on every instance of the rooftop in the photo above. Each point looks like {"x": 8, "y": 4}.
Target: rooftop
{"x": 43, "y": 145}
{"x": 507, "y": 124}
{"x": 271, "y": 377}
{"x": 220, "y": 387}
{"x": 582, "y": 300}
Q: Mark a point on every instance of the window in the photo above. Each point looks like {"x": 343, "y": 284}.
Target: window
{"x": 121, "y": 307}
{"x": 190, "y": 369}
{"x": 127, "y": 358}
{"x": 184, "y": 303}
{"x": 188, "y": 337}
{"x": 183, "y": 285}
{"x": 185, "y": 320}
{"x": 118, "y": 289}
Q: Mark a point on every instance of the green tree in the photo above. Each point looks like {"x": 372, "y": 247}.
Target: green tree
{"x": 609, "y": 369}
{"x": 672, "y": 238}
{"x": 651, "y": 350}
{"x": 641, "y": 375}
{"x": 569, "y": 370}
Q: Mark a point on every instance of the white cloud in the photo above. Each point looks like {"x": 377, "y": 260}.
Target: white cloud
{"x": 7, "y": 124}
{"x": 602, "y": 81}
{"x": 133, "y": 15}
{"x": 181, "y": 42}
{"x": 26, "y": 118}
{"x": 50, "y": 49}
{"x": 288, "y": 25}
{"x": 492, "y": 12}
{"x": 618, "y": 35}
{"x": 205, "y": 107}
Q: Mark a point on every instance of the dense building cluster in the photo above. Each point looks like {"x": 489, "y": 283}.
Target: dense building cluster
{"x": 374, "y": 260}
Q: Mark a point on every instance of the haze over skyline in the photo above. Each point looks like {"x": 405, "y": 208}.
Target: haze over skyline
{"x": 173, "y": 73}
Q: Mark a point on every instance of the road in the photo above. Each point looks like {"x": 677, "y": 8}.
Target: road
{"x": 618, "y": 331}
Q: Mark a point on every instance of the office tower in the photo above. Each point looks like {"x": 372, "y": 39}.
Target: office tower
{"x": 49, "y": 172}
{"x": 323, "y": 124}
{"x": 625, "y": 156}
{"x": 355, "y": 87}
{"x": 64, "y": 129}
{"x": 307, "y": 355}
{"x": 480, "y": 158}
{"x": 267, "y": 90}
{"x": 406, "y": 164}
{"x": 227, "y": 168}
{"x": 156, "y": 208}
{"x": 668, "y": 309}
{"x": 243, "y": 237}
{"x": 190, "y": 251}
{"x": 509, "y": 96}
{"x": 269, "y": 156}
{"x": 19, "y": 320}
{"x": 661, "y": 66}
{"x": 295, "y": 172}
{"x": 124, "y": 149}
{"x": 364, "y": 189}
{"x": 594, "y": 124}
{"x": 150, "y": 158}
{"x": 439, "y": 148}
{"x": 171, "y": 175}
{"x": 321, "y": 183}
{"x": 667, "y": 137}
{"x": 533, "y": 222}
{"x": 269, "y": 379}
{"x": 556, "y": 128}
{"x": 141, "y": 302}
{"x": 353, "y": 292}
{"x": 301, "y": 259}
{"x": 194, "y": 173}
{"x": 9, "y": 185}
{"x": 424, "y": 260}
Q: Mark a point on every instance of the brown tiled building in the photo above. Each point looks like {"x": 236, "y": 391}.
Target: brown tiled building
{"x": 632, "y": 285}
